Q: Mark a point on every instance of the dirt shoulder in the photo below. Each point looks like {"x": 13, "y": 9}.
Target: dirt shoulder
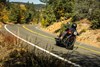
{"x": 90, "y": 37}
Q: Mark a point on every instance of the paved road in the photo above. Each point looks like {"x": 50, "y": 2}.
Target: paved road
{"x": 84, "y": 54}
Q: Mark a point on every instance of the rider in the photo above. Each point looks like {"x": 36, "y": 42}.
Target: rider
{"x": 71, "y": 30}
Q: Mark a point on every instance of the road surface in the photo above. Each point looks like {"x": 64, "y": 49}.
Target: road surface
{"x": 82, "y": 54}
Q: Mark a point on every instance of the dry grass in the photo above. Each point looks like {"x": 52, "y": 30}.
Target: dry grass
{"x": 15, "y": 53}
{"x": 90, "y": 37}
{"x": 7, "y": 44}
{"x": 56, "y": 26}
{"x": 1, "y": 24}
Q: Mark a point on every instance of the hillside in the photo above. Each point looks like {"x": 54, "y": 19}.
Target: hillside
{"x": 56, "y": 26}
{"x": 37, "y": 6}
{"x": 24, "y": 12}
{"x": 87, "y": 36}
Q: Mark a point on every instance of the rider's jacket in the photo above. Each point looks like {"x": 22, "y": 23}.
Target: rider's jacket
{"x": 71, "y": 31}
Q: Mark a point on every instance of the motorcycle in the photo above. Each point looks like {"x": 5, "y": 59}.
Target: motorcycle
{"x": 67, "y": 41}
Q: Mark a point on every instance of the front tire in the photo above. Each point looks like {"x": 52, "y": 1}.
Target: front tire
{"x": 69, "y": 43}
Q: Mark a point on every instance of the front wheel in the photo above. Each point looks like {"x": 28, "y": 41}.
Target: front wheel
{"x": 69, "y": 42}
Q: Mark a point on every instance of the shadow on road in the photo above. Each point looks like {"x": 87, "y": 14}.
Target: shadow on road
{"x": 60, "y": 44}
{"x": 83, "y": 60}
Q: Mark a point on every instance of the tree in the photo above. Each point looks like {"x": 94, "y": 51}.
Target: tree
{"x": 88, "y": 9}
{"x": 4, "y": 1}
{"x": 14, "y": 13}
{"x": 44, "y": 1}
{"x": 56, "y": 9}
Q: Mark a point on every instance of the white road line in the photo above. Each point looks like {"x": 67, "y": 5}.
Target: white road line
{"x": 61, "y": 58}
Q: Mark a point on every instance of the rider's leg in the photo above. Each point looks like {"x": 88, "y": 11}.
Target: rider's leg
{"x": 60, "y": 35}
{"x": 63, "y": 35}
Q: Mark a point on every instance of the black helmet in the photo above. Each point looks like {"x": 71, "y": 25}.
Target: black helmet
{"x": 74, "y": 25}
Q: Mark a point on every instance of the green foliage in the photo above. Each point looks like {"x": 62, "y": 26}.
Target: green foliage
{"x": 48, "y": 16}
{"x": 63, "y": 8}
{"x": 78, "y": 9}
{"x": 56, "y": 9}
{"x": 52, "y": 10}
{"x": 65, "y": 26}
{"x": 44, "y": 22}
{"x": 4, "y": 13}
{"x": 13, "y": 13}
{"x": 3, "y": 1}
{"x": 95, "y": 24}
{"x": 17, "y": 13}
{"x": 95, "y": 18}
{"x": 87, "y": 9}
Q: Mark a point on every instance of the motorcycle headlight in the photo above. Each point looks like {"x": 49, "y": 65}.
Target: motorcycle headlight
{"x": 75, "y": 33}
